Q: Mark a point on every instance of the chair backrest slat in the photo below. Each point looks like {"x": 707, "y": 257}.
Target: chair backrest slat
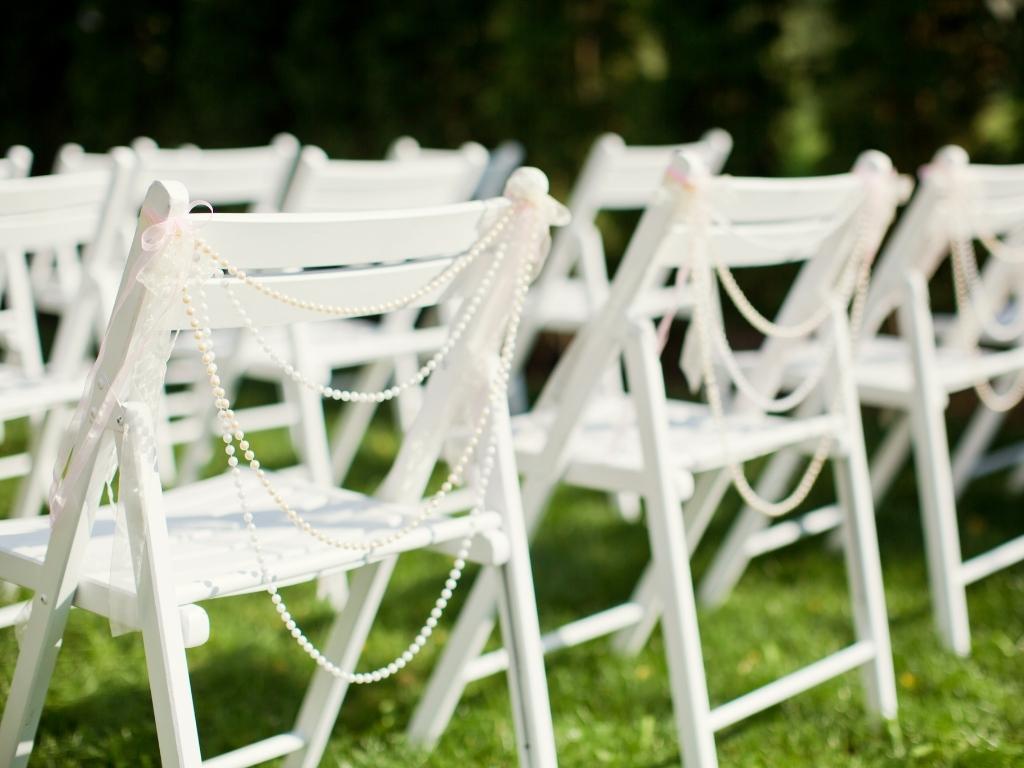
{"x": 435, "y": 177}
{"x": 49, "y": 211}
{"x": 268, "y": 241}
{"x": 618, "y": 176}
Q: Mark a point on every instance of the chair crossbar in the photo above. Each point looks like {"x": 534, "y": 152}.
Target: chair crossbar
{"x": 258, "y": 752}
{"x": 569, "y": 635}
{"x": 787, "y": 532}
{"x": 996, "y": 559}
{"x": 856, "y": 655}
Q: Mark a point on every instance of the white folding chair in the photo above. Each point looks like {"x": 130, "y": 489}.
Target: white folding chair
{"x": 16, "y": 163}
{"x": 383, "y": 350}
{"x": 615, "y": 177}
{"x": 672, "y": 451}
{"x": 218, "y": 538}
{"x": 254, "y": 177}
{"x": 914, "y": 373}
{"x": 41, "y": 213}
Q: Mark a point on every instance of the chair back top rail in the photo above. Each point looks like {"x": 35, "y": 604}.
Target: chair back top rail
{"x": 58, "y": 210}
{"x": 410, "y": 180}
{"x": 617, "y": 176}
{"x": 253, "y": 176}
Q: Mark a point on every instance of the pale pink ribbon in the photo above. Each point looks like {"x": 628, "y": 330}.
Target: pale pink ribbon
{"x": 67, "y": 474}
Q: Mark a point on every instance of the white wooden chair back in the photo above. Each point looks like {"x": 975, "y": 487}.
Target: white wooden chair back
{"x": 987, "y": 200}
{"x": 620, "y": 177}
{"x": 365, "y": 262}
{"x": 409, "y": 179}
{"x": 16, "y": 163}
{"x": 774, "y": 222}
{"x": 754, "y": 223}
{"x": 359, "y": 259}
{"x": 49, "y": 213}
{"x": 255, "y": 177}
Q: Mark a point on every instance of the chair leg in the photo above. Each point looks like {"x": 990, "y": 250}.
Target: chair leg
{"x": 44, "y": 633}
{"x": 697, "y": 514}
{"x": 935, "y": 475}
{"x": 672, "y": 576}
{"x": 171, "y": 691}
{"x": 864, "y": 574}
{"x": 320, "y": 707}
{"x": 670, "y": 554}
{"x": 36, "y": 660}
{"x": 159, "y": 618}
{"x": 520, "y": 628}
{"x": 942, "y": 538}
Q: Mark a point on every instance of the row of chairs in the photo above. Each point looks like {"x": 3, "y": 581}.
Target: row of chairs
{"x": 590, "y": 426}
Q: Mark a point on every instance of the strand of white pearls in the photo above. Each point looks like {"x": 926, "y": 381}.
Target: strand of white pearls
{"x": 427, "y": 509}
{"x": 863, "y": 258}
{"x": 232, "y": 433}
{"x": 971, "y": 298}
{"x": 812, "y": 322}
{"x": 970, "y": 294}
{"x": 803, "y": 390}
{"x": 427, "y": 289}
{"x": 456, "y": 331}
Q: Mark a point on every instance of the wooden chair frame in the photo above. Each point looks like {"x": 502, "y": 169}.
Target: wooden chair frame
{"x": 379, "y": 254}
{"x": 918, "y": 393}
{"x": 621, "y": 330}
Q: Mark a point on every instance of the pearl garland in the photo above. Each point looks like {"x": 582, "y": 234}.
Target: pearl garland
{"x": 427, "y": 289}
{"x": 497, "y": 398}
{"x": 431, "y": 365}
{"x": 970, "y": 299}
{"x": 869, "y": 227}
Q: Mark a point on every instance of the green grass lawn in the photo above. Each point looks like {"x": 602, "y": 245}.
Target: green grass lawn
{"x": 788, "y": 610}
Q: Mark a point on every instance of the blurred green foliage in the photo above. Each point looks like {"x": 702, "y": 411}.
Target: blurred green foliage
{"x": 803, "y": 85}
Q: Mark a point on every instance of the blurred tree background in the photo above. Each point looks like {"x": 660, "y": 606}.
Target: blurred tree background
{"x": 803, "y": 85}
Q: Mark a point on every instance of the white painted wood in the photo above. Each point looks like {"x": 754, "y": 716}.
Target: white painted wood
{"x": 614, "y": 177}
{"x": 996, "y": 559}
{"x": 412, "y": 177}
{"x": 863, "y": 563}
{"x": 938, "y": 359}
{"x": 568, "y": 635}
{"x": 934, "y": 473}
{"x": 192, "y": 543}
{"x": 792, "y": 684}
{"x": 639, "y": 442}
{"x": 670, "y": 556}
{"x": 260, "y": 752}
